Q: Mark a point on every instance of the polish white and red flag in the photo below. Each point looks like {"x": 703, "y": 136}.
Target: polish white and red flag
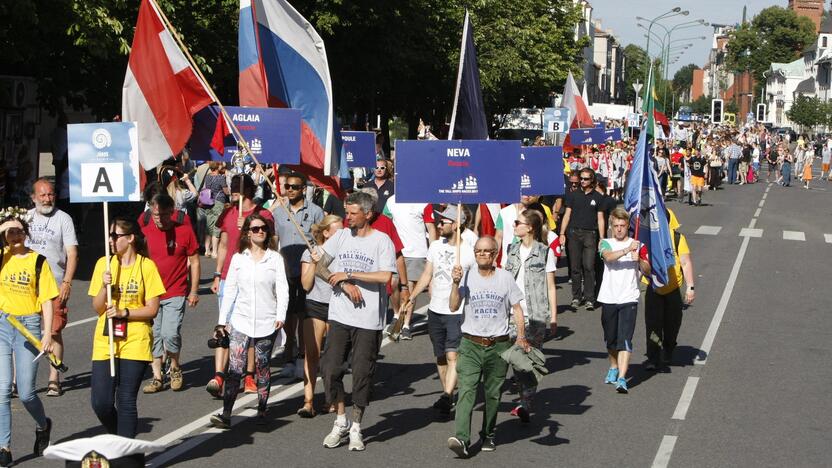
{"x": 577, "y": 106}
{"x": 161, "y": 90}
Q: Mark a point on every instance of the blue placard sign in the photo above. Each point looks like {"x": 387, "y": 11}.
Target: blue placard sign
{"x": 457, "y": 171}
{"x": 612, "y": 134}
{"x": 586, "y": 136}
{"x": 273, "y": 134}
{"x": 103, "y": 162}
{"x": 555, "y": 119}
{"x": 541, "y": 170}
{"x": 359, "y": 148}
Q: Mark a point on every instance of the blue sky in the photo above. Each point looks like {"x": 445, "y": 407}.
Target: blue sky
{"x": 620, "y": 16}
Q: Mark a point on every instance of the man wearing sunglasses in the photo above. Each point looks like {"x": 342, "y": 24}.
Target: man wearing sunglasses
{"x": 382, "y": 183}
{"x": 292, "y": 246}
{"x": 583, "y": 220}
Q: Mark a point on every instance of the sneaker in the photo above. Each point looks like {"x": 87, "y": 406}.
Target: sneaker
{"x": 405, "y": 334}
{"x": 521, "y": 412}
{"x": 214, "y": 386}
{"x": 388, "y": 330}
{"x": 356, "y": 441}
{"x": 42, "y": 438}
{"x": 575, "y": 303}
{"x": 220, "y": 422}
{"x": 176, "y": 379}
{"x": 444, "y": 404}
{"x": 5, "y": 457}
{"x": 337, "y": 435}
{"x": 589, "y": 305}
{"x": 612, "y": 376}
{"x": 621, "y": 386}
{"x": 250, "y": 384}
{"x": 459, "y": 447}
{"x": 154, "y": 386}
{"x": 649, "y": 365}
{"x": 488, "y": 445}
{"x": 288, "y": 370}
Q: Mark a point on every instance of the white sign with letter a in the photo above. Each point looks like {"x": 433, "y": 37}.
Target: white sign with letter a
{"x": 103, "y": 162}
{"x": 102, "y": 180}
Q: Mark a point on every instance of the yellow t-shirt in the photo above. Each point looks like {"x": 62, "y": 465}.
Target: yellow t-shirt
{"x": 132, "y": 287}
{"x": 674, "y": 275}
{"x": 17, "y": 284}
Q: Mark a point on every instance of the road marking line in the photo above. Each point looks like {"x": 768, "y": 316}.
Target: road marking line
{"x": 708, "y": 230}
{"x": 757, "y": 213}
{"x": 762, "y": 202}
{"x": 684, "y": 401}
{"x": 794, "y": 235}
{"x": 197, "y": 439}
{"x": 81, "y": 322}
{"x": 664, "y": 452}
{"x": 750, "y": 232}
{"x": 828, "y": 238}
{"x": 765, "y": 195}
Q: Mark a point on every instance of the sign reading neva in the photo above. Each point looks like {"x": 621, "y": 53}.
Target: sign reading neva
{"x": 103, "y": 162}
{"x": 359, "y": 148}
{"x": 457, "y": 171}
{"x": 586, "y": 136}
{"x": 273, "y": 134}
{"x": 541, "y": 170}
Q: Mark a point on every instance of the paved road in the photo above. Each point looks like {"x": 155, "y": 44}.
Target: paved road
{"x": 749, "y": 384}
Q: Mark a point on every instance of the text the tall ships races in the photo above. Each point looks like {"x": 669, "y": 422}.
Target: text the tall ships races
{"x": 455, "y": 155}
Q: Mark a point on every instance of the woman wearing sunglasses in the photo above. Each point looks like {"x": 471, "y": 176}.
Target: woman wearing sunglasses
{"x": 136, "y": 287}
{"x": 256, "y": 296}
{"x": 27, "y": 288}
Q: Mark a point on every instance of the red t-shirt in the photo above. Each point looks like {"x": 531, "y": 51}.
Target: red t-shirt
{"x": 170, "y": 251}
{"x": 427, "y": 214}
{"x": 227, "y": 222}
{"x": 676, "y": 157}
{"x": 384, "y": 224}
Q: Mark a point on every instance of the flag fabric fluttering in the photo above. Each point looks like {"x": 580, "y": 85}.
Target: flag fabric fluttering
{"x": 283, "y": 63}
{"x": 572, "y": 100}
{"x": 161, "y": 91}
{"x": 643, "y": 200}
{"x": 468, "y": 119}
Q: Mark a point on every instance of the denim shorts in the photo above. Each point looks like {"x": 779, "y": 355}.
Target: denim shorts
{"x": 445, "y": 332}
{"x": 167, "y": 326}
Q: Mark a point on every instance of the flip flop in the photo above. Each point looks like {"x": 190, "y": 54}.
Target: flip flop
{"x": 54, "y": 389}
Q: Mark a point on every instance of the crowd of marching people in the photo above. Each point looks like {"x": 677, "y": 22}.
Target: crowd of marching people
{"x": 308, "y": 278}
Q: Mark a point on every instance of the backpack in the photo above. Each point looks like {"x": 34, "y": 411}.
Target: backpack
{"x": 38, "y": 268}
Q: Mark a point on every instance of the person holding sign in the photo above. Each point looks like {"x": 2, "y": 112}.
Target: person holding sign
{"x": 136, "y": 289}
{"x": 257, "y": 279}
{"x": 27, "y": 289}
{"x": 490, "y": 298}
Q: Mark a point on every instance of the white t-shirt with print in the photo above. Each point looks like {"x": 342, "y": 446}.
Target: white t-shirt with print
{"x": 442, "y": 257}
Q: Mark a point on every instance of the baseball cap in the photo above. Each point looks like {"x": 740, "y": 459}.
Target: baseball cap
{"x": 450, "y": 212}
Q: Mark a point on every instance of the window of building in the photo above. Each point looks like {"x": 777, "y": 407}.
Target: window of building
{"x": 823, "y": 42}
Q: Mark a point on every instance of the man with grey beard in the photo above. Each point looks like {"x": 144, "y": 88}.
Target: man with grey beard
{"x": 52, "y": 234}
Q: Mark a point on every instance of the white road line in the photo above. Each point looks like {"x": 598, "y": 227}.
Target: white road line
{"x": 757, "y": 213}
{"x": 751, "y": 232}
{"x": 208, "y": 433}
{"x": 762, "y": 202}
{"x": 665, "y": 451}
{"x": 765, "y": 195}
{"x": 81, "y": 322}
{"x": 685, "y": 399}
{"x": 828, "y": 238}
{"x": 708, "y": 230}
{"x": 794, "y": 235}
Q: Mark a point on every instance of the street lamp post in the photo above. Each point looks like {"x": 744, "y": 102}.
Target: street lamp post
{"x": 669, "y": 14}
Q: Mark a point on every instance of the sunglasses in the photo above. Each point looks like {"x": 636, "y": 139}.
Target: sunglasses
{"x": 443, "y": 221}
{"x": 14, "y": 231}
{"x": 484, "y": 251}
{"x": 520, "y": 223}
{"x": 258, "y": 229}
{"x": 586, "y": 178}
{"x": 292, "y": 186}
{"x": 114, "y": 235}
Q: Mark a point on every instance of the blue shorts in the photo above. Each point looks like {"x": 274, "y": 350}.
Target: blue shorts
{"x": 445, "y": 332}
{"x": 619, "y": 322}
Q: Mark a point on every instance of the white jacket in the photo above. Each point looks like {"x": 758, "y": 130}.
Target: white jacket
{"x": 255, "y": 294}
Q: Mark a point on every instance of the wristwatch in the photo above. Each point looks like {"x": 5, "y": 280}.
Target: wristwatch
{"x": 349, "y": 275}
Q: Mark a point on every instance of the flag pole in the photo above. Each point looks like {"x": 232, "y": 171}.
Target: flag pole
{"x": 237, "y": 134}
{"x": 459, "y": 75}
{"x": 109, "y": 288}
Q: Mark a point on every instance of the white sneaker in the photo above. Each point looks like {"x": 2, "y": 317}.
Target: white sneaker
{"x": 356, "y": 441}
{"x": 288, "y": 370}
{"x": 337, "y": 435}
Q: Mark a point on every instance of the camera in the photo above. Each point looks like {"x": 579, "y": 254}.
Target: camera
{"x": 219, "y": 340}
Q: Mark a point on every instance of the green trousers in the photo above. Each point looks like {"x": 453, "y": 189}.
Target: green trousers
{"x": 475, "y": 362}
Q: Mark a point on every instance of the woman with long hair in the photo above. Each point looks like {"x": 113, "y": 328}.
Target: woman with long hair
{"x": 27, "y": 288}
{"x": 209, "y": 208}
{"x": 136, "y": 287}
{"x": 533, "y": 266}
{"x": 172, "y": 179}
{"x": 318, "y": 293}
{"x": 255, "y": 298}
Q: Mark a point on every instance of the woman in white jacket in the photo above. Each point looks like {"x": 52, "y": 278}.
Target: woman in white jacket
{"x": 253, "y": 309}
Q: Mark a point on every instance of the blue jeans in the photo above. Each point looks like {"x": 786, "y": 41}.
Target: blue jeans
{"x": 14, "y": 347}
{"x": 787, "y": 174}
{"x": 732, "y": 170}
{"x": 114, "y": 399}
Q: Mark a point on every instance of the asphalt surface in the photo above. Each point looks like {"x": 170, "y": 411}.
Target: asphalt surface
{"x": 759, "y": 396}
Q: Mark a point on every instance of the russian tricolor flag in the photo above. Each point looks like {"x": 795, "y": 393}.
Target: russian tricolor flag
{"x": 283, "y": 64}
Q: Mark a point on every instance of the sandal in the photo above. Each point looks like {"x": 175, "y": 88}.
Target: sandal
{"x": 307, "y": 410}
{"x": 54, "y": 389}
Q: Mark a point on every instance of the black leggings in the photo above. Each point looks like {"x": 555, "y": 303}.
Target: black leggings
{"x": 114, "y": 399}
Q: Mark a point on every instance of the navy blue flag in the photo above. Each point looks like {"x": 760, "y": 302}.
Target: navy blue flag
{"x": 648, "y": 215}
{"x": 541, "y": 170}
{"x": 468, "y": 120}
{"x": 586, "y": 136}
{"x": 457, "y": 171}
{"x": 272, "y": 134}
{"x": 612, "y": 134}
{"x": 359, "y": 148}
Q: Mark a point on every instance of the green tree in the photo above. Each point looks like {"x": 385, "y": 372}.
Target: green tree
{"x": 635, "y": 69}
{"x": 775, "y": 35}
{"x": 700, "y": 105}
{"x": 807, "y": 111}
{"x": 683, "y": 78}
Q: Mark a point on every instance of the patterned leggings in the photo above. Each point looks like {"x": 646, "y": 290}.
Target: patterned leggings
{"x": 535, "y": 334}
{"x": 237, "y": 357}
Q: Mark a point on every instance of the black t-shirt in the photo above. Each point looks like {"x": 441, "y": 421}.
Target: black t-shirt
{"x": 608, "y": 204}
{"x": 384, "y": 192}
{"x": 584, "y": 209}
{"x": 697, "y": 166}
{"x": 334, "y": 205}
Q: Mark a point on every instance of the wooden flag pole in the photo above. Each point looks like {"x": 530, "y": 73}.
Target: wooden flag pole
{"x": 237, "y": 134}
{"x": 458, "y": 233}
{"x": 109, "y": 288}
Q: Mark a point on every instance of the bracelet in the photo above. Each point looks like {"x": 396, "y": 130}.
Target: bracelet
{"x": 126, "y": 312}
{"x": 404, "y": 287}
{"x": 217, "y": 274}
